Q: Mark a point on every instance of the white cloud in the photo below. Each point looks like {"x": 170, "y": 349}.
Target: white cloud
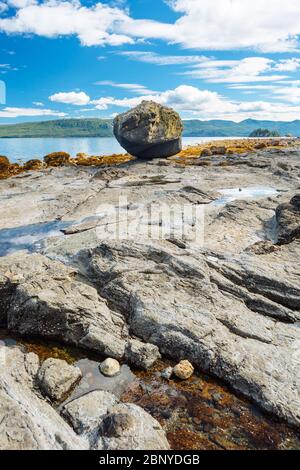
{"x": 28, "y": 112}
{"x": 210, "y": 69}
{"x": 76, "y": 98}
{"x": 52, "y": 18}
{"x": 132, "y": 87}
{"x": 290, "y": 94}
{"x": 288, "y": 65}
{"x": 250, "y": 69}
{"x": 158, "y": 59}
{"x": 38, "y": 103}
{"x": 3, "y": 7}
{"x": 193, "y": 102}
{"x": 265, "y": 25}
{"x": 21, "y": 3}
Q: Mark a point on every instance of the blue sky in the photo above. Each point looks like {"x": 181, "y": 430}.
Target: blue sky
{"x": 209, "y": 59}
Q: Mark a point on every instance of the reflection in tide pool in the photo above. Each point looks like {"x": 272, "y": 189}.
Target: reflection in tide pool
{"x": 29, "y": 237}
{"x": 232, "y": 194}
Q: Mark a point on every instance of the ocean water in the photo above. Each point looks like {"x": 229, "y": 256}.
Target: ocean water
{"x": 26, "y": 149}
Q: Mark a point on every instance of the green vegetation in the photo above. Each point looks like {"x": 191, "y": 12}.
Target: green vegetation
{"x": 103, "y": 128}
{"x": 264, "y": 133}
{"x": 60, "y": 128}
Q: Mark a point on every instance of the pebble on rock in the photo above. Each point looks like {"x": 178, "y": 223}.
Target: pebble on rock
{"x": 109, "y": 367}
{"x": 183, "y": 370}
{"x": 167, "y": 373}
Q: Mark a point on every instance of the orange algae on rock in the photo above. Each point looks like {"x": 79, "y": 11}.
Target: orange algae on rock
{"x": 57, "y": 159}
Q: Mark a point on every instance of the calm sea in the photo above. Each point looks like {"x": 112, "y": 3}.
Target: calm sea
{"x": 26, "y": 149}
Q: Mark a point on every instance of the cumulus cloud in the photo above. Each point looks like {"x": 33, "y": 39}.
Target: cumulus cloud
{"x": 265, "y": 25}
{"x": 193, "y": 102}
{"x": 28, "y": 112}
{"x": 53, "y": 18}
{"x": 76, "y": 98}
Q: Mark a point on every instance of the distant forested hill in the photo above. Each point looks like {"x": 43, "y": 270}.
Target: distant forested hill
{"x": 103, "y": 128}
{"x": 59, "y": 128}
{"x": 219, "y": 128}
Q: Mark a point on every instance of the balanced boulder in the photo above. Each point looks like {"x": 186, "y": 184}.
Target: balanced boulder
{"x": 149, "y": 130}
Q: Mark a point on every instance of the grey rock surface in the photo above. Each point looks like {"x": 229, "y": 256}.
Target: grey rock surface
{"x": 56, "y": 378}
{"x": 49, "y": 301}
{"x": 85, "y": 413}
{"x": 288, "y": 220}
{"x": 27, "y": 421}
{"x": 149, "y": 130}
{"x": 230, "y": 304}
{"x": 142, "y": 355}
{"x": 127, "y": 426}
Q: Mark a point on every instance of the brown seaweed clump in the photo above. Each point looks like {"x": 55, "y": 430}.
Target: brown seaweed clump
{"x": 34, "y": 164}
{"x": 57, "y": 159}
{"x": 8, "y": 169}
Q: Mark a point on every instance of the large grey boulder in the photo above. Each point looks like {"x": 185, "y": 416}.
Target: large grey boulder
{"x": 149, "y": 130}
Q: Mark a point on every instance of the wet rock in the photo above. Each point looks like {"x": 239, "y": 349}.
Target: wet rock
{"x": 141, "y": 355}
{"x": 128, "y": 426}
{"x": 215, "y": 310}
{"x": 288, "y": 221}
{"x": 57, "y": 159}
{"x": 183, "y": 370}
{"x": 27, "y": 421}
{"x": 149, "y": 131}
{"x": 49, "y": 301}
{"x": 85, "y": 413}
{"x": 56, "y": 378}
{"x": 109, "y": 367}
{"x": 117, "y": 424}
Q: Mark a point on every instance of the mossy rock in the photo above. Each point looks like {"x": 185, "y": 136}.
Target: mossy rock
{"x": 4, "y": 162}
{"x": 34, "y": 164}
{"x": 149, "y": 131}
{"x": 57, "y": 159}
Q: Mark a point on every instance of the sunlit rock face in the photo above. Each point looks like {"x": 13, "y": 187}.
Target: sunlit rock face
{"x": 149, "y": 131}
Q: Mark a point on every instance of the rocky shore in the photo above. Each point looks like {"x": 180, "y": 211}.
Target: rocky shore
{"x": 228, "y": 302}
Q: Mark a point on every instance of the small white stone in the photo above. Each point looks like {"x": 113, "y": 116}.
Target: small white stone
{"x": 110, "y": 367}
